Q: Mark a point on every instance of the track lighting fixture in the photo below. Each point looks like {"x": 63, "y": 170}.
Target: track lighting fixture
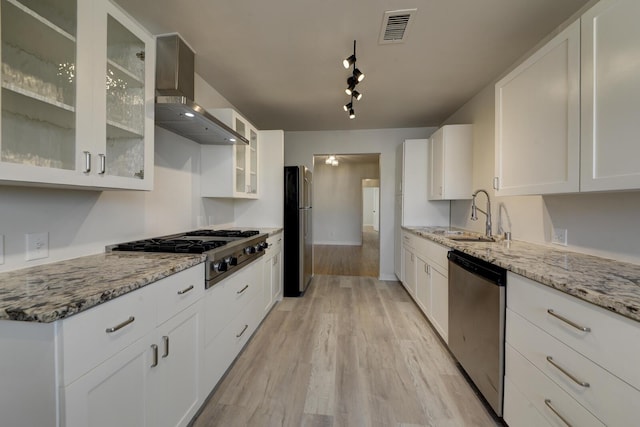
{"x": 352, "y": 81}
{"x": 358, "y": 75}
{"x": 349, "y": 61}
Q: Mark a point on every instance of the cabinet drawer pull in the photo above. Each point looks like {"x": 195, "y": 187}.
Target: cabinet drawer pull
{"x": 568, "y": 322}
{"x": 165, "y": 339}
{"x": 87, "y": 162}
{"x": 103, "y": 164}
{"x": 243, "y": 289}
{"x": 120, "y": 325}
{"x": 155, "y": 355}
{"x": 184, "y": 291}
{"x": 561, "y": 369}
{"x": 242, "y": 331}
{"x": 555, "y": 411}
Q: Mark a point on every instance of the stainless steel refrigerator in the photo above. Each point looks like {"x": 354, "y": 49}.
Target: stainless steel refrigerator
{"x": 298, "y": 236}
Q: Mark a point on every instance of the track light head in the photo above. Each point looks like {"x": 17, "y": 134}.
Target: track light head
{"x": 348, "y": 62}
{"x": 352, "y": 114}
{"x": 351, "y": 85}
{"x": 357, "y": 95}
{"x": 348, "y": 106}
{"x": 358, "y": 75}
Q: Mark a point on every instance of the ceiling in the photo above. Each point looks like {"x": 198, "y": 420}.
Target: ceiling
{"x": 279, "y": 61}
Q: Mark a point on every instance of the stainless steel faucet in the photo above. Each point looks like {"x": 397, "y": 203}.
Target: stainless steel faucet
{"x": 474, "y": 209}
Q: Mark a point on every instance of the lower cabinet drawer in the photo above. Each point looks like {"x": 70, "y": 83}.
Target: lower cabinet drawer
{"x": 610, "y": 399}
{"x": 179, "y": 291}
{"x": 518, "y": 411}
{"x": 612, "y": 341}
{"x": 549, "y": 399}
{"x": 90, "y": 337}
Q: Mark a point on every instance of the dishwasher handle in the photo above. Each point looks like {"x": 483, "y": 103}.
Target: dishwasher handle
{"x": 491, "y": 272}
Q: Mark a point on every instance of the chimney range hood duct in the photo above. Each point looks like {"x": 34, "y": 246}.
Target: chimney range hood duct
{"x": 175, "y": 109}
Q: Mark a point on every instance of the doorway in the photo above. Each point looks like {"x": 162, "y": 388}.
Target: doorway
{"x": 347, "y": 215}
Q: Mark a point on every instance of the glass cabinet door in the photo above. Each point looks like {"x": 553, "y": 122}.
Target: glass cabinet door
{"x": 253, "y": 161}
{"x": 38, "y": 83}
{"x": 241, "y": 159}
{"x": 125, "y": 86}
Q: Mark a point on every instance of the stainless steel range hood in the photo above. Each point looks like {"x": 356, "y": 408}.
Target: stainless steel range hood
{"x": 175, "y": 109}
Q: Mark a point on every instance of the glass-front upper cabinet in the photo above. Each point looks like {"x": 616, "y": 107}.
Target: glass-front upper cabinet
{"x": 59, "y": 125}
{"x": 125, "y": 90}
{"x": 253, "y": 161}
{"x": 38, "y": 83}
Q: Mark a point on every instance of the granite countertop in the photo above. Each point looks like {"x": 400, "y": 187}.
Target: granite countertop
{"x": 49, "y": 292}
{"x": 607, "y": 283}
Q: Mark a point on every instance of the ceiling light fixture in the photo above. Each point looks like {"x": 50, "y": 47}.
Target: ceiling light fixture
{"x": 334, "y": 162}
{"x": 330, "y": 159}
{"x": 352, "y": 81}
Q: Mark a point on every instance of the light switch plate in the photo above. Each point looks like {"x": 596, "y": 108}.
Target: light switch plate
{"x": 37, "y": 245}
{"x": 559, "y": 236}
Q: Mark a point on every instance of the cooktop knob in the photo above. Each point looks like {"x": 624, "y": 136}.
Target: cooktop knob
{"x": 249, "y": 250}
{"x": 220, "y": 266}
{"x": 232, "y": 260}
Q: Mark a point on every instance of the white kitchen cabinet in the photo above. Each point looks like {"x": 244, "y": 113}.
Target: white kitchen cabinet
{"x": 231, "y": 171}
{"x": 412, "y": 207}
{"x": 233, "y": 310}
{"x": 450, "y": 163}
{"x": 537, "y": 121}
{"x": 426, "y": 278}
{"x": 410, "y": 265}
{"x": 154, "y": 381}
{"x": 272, "y": 271}
{"x": 61, "y": 124}
{"x": 590, "y": 376}
{"x": 115, "y": 393}
{"x": 610, "y": 96}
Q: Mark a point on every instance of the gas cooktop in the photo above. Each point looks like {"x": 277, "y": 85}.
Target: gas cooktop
{"x": 226, "y": 250}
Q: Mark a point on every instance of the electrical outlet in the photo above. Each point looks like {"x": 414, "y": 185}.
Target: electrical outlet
{"x": 1, "y": 249}
{"x": 37, "y": 245}
{"x": 559, "y": 236}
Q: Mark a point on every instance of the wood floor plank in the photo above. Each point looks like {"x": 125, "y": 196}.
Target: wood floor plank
{"x": 353, "y": 351}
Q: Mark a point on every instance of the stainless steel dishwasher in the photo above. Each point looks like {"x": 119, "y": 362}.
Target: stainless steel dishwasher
{"x": 476, "y": 322}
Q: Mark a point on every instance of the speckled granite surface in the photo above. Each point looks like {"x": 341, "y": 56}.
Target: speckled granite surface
{"x": 607, "y": 283}
{"x": 54, "y": 291}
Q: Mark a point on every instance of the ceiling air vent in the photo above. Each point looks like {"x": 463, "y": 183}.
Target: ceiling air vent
{"x": 395, "y": 25}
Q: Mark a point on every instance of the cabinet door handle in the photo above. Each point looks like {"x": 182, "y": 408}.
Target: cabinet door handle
{"x": 242, "y": 331}
{"x": 555, "y": 411}
{"x": 185, "y": 290}
{"x": 103, "y": 164}
{"x": 165, "y": 340}
{"x": 87, "y": 162}
{"x": 568, "y": 374}
{"x": 154, "y": 348}
{"x": 569, "y": 322}
{"x": 427, "y": 269}
{"x": 120, "y": 325}
{"x": 243, "y": 289}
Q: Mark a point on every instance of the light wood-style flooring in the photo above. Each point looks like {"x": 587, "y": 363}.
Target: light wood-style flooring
{"x": 345, "y": 260}
{"x": 354, "y": 351}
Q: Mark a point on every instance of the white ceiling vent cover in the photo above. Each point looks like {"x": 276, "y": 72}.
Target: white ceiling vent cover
{"x": 395, "y": 25}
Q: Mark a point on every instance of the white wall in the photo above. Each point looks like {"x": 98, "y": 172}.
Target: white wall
{"x": 604, "y": 224}
{"x": 337, "y": 202}
{"x": 300, "y": 147}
